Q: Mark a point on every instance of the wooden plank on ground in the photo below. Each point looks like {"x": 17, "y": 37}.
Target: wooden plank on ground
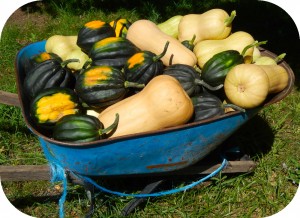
{"x": 42, "y": 172}
{"x": 8, "y": 98}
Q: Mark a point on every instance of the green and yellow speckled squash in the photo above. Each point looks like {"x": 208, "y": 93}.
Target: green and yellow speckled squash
{"x": 112, "y": 51}
{"x": 143, "y": 66}
{"x": 52, "y": 104}
{"x": 101, "y": 86}
{"x": 92, "y": 32}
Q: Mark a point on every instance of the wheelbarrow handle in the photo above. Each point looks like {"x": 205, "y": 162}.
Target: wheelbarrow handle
{"x": 8, "y": 98}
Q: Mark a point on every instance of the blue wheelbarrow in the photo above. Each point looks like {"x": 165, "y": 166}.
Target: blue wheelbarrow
{"x": 157, "y": 151}
{"x": 163, "y": 151}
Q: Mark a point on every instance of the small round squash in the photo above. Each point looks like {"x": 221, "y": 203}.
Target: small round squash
{"x": 246, "y": 85}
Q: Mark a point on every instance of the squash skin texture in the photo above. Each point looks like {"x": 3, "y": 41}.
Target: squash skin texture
{"x": 147, "y": 36}
{"x": 208, "y": 25}
{"x": 112, "y": 51}
{"x": 162, "y": 103}
{"x": 47, "y": 74}
{"x": 187, "y": 77}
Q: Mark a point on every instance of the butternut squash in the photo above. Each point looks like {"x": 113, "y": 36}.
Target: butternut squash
{"x": 266, "y": 60}
{"x": 212, "y": 24}
{"x": 147, "y": 36}
{"x": 206, "y": 49}
{"x": 248, "y": 85}
{"x": 162, "y": 103}
{"x": 278, "y": 77}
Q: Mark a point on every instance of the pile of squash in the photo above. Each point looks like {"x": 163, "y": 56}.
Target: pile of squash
{"x": 120, "y": 78}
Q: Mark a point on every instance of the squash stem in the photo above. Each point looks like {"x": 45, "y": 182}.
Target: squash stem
{"x": 111, "y": 127}
{"x": 228, "y": 21}
{"x": 235, "y": 107}
{"x": 204, "y": 84}
{"x": 128, "y": 84}
{"x": 66, "y": 62}
{"x": 279, "y": 57}
{"x": 158, "y": 57}
{"x": 255, "y": 43}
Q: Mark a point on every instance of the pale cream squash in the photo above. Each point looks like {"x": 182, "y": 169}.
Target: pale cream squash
{"x": 212, "y": 24}
{"x": 246, "y": 85}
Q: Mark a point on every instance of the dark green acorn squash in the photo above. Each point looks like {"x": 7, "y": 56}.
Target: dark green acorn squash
{"x": 112, "y": 51}
{"x": 101, "y": 86}
{"x": 143, "y": 66}
{"x": 92, "y": 32}
{"x": 79, "y": 128}
{"x": 208, "y": 105}
{"x": 52, "y": 104}
{"x": 216, "y": 68}
{"x": 47, "y": 74}
{"x": 34, "y": 60}
{"x": 188, "y": 77}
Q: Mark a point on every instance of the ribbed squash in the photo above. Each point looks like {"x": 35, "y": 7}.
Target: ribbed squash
{"x": 188, "y": 77}
{"x": 143, "y": 66}
{"x": 216, "y": 68}
{"x": 52, "y": 104}
{"x": 120, "y": 26}
{"x": 112, "y": 51}
{"x": 92, "y": 32}
{"x": 31, "y": 62}
{"x": 100, "y": 86}
{"x": 208, "y": 105}
{"x": 50, "y": 73}
{"x": 79, "y": 128}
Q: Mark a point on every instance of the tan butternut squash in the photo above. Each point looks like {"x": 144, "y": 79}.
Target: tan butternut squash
{"x": 162, "y": 103}
{"x": 248, "y": 85}
{"x": 147, "y": 36}
{"x": 206, "y": 49}
{"x": 212, "y": 24}
{"x": 278, "y": 77}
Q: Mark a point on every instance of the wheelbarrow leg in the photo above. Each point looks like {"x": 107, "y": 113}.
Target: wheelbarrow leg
{"x": 134, "y": 203}
{"x": 90, "y": 192}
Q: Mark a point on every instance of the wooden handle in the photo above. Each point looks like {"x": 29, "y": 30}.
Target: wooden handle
{"x": 8, "y": 98}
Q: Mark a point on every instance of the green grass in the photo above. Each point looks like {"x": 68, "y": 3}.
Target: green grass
{"x": 270, "y": 139}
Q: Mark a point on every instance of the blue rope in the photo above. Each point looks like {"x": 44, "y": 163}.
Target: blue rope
{"x": 157, "y": 194}
{"x": 57, "y": 174}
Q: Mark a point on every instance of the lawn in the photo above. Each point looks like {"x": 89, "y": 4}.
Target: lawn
{"x": 270, "y": 138}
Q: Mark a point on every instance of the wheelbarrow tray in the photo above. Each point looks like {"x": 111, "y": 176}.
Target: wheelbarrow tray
{"x": 160, "y": 151}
